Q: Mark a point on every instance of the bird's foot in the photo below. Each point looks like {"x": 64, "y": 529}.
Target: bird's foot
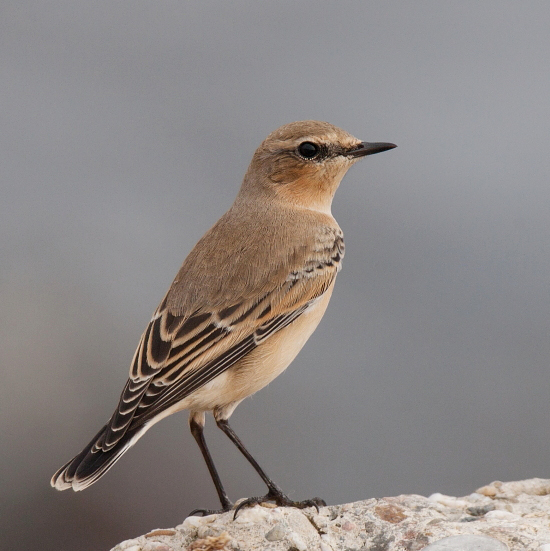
{"x": 206, "y": 512}
{"x": 281, "y": 500}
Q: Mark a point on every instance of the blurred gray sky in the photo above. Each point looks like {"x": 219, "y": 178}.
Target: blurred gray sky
{"x": 126, "y": 129}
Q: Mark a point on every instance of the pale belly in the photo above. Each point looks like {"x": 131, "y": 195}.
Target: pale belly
{"x": 259, "y": 367}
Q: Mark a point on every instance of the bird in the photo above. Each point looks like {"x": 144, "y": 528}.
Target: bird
{"x": 245, "y": 301}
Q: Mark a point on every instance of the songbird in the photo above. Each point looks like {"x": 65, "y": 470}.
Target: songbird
{"x": 244, "y": 303}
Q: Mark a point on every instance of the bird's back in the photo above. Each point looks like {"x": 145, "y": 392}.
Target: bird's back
{"x": 252, "y": 249}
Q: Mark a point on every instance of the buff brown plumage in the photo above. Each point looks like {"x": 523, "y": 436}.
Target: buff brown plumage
{"x": 243, "y": 304}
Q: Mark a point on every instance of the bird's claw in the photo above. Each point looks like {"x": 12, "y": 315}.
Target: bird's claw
{"x": 206, "y": 512}
{"x": 281, "y": 500}
{"x": 313, "y": 502}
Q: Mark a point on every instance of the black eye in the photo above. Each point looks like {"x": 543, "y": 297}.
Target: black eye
{"x": 308, "y": 150}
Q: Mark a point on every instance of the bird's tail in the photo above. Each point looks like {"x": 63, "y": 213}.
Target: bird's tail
{"x": 93, "y": 462}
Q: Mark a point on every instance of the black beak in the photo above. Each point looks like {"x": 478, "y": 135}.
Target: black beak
{"x": 365, "y": 148}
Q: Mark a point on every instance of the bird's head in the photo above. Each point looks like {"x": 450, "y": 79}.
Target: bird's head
{"x": 303, "y": 162}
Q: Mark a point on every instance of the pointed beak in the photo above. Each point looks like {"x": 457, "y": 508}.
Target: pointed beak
{"x": 366, "y": 148}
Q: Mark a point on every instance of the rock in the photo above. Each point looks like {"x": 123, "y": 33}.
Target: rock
{"x": 160, "y": 532}
{"x": 297, "y": 542}
{"x": 449, "y": 501}
{"x": 480, "y": 510}
{"x": 156, "y": 546}
{"x": 129, "y": 545}
{"x": 501, "y": 515}
{"x": 276, "y": 533}
{"x": 467, "y": 543}
{"x": 210, "y": 543}
{"x": 497, "y": 517}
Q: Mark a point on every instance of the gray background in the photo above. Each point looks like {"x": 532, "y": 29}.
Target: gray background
{"x": 126, "y": 128}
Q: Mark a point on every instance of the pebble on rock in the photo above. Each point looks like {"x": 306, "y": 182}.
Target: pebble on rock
{"x": 277, "y": 533}
{"x": 480, "y": 510}
{"x": 501, "y": 515}
{"x": 489, "y": 491}
{"x": 448, "y": 501}
{"x": 254, "y": 515}
{"x": 297, "y": 541}
{"x": 211, "y": 543}
{"x": 390, "y": 513}
{"x": 193, "y": 522}
{"x": 160, "y": 532}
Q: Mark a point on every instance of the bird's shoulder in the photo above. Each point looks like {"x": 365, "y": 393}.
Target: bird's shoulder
{"x": 251, "y": 252}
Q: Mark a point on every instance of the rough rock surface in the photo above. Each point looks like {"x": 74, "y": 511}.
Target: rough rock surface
{"x": 516, "y": 514}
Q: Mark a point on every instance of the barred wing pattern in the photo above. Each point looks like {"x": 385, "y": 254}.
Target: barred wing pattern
{"x": 178, "y": 354}
{"x": 150, "y": 391}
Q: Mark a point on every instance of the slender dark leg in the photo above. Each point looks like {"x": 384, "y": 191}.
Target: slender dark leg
{"x": 275, "y": 493}
{"x": 197, "y": 432}
{"x": 225, "y": 427}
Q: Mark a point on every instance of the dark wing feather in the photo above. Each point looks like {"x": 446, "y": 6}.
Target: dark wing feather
{"x": 192, "y": 380}
{"x": 178, "y": 355}
{"x": 184, "y": 348}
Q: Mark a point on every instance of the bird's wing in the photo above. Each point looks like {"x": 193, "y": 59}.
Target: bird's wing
{"x": 178, "y": 354}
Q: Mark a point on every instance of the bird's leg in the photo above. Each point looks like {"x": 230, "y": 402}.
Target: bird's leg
{"x": 274, "y": 492}
{"x": 196, "y": 424}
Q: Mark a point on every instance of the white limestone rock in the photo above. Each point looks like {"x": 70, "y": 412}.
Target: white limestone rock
{"x": 504, "y": 515}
